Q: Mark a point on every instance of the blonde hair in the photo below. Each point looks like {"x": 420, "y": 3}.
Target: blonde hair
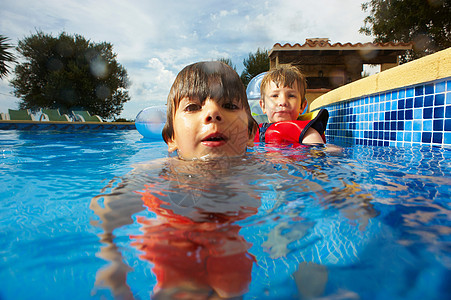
{"x": 285, "y": 75}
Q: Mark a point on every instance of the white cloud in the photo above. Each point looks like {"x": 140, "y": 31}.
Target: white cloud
{"x": 154, "y": 40}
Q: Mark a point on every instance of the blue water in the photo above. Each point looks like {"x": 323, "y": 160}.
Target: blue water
{"x": 366, "y": 223}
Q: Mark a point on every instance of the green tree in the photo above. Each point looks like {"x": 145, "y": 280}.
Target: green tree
{"x": 70, "y": 72}
{"x": 255, "y": 64}
{"x": 228, "y": 62}
{"x": 5, "y": 56}
{"x": 424, "y": 22}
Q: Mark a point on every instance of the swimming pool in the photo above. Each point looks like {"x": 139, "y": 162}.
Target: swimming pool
{"x": 77, "y": 220}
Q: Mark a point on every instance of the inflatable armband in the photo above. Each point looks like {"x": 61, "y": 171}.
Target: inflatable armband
{"x": 293, "y": 132}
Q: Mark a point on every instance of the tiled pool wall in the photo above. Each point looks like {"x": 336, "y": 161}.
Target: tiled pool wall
{"x": 408, "y": 116}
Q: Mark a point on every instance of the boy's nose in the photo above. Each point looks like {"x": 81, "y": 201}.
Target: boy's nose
{"x": 282, "y": 100}
{"x": 212, "y": 112}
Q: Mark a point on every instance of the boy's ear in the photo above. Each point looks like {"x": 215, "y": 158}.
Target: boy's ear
{"x": 262, "y": 105}
{"x": 250, "y": 142}
{"x": 172, "y": 145}
{"x": 303, "y": 105}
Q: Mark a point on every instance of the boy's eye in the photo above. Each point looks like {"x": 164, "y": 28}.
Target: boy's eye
{"x": 192, "y": 107}
{"x": 230, "y": 106}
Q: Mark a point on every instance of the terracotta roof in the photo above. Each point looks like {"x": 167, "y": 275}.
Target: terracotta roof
{"x": 324, "y": 44}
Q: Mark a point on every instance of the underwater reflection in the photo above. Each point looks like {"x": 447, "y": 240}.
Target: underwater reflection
{"x": 195, "y": 259}
{"x": 224, "y": 228}
{"x": 190, "y": 237}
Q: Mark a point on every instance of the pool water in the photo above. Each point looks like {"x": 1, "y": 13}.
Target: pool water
{"x": 104, "y": 215}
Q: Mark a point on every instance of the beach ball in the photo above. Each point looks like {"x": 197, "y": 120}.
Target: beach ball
{"x": 253, "y": 94}
{"x": 150, "y": 122}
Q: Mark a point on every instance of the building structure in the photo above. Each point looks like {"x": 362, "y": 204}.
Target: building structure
{"x": 328, "y": 66}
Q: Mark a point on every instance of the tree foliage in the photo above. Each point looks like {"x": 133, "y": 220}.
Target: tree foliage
{"x": 70, "y": 72}
{"x": 424, "y": 22}
{"x": 228, "y": 62}
{"x": 255, "y": 64}
{"x": 5, "y": 56}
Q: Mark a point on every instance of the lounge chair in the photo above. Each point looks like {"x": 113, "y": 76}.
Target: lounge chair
{"x": 85, "y": 116}
{"x": 54, "y": 115}
{"x": 21, "y": 114}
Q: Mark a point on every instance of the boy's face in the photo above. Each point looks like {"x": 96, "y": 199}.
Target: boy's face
{"x": 281, "y": 103}
{"x": 210, "y": 129}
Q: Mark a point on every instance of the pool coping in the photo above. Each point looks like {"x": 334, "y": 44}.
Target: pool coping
{"x": 63, "y": 125}
{"x": 426, "y": 69}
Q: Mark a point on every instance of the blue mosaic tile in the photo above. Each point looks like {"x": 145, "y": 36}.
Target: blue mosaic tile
{"x": 394, "y": 95}
{"x": 447, "y": 125}
{"x": 409, "y": 116}
{"x": 387, "y": 115}
{"x": 419, "y": 90}
{"x": 394, "y": 105}
{"x": 387, "y": 105}
{"x": 439, "y": 99}
{"x": 440, "y": 87}
{"x": 417, "y": 125}
{"x": 418, "y": 102}
{"x": 393, "y": 115}
{"x": 439, "y": 112}
{"x": 418, "y": 113}
{"x": 437, "y": 137}
{"x": 408, "y": 125}
{"x": 447, "y": 138}
{"x": 409, "y": 103}
{"x": 428, "y": 101}
{"x": 407, "y": 136}
{"x": 427, "y": 125}
{"x": 402, "y": 93}
{"x": 448, "y": 112}
{"x": 429, "y": 89}
{"x": 393, "y": 125}
{"x": 427, "y": 113}
{"x": 438, "y": 125}
{"x": 426, "y": 137}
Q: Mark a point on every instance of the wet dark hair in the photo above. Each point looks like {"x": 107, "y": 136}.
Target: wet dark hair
{"x": 285, "y": 75}
{"x": 203, "y": 80}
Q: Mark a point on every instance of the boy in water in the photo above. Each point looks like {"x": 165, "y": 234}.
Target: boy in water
{"x": 208, "y": 115}
{"x": 283, "y": 99}
{"x": 192, "y": 241}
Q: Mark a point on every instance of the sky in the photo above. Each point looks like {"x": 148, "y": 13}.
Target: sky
{"x": 154, "y": 40}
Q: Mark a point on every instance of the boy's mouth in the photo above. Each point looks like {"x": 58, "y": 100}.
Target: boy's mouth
{"x": 214, "y": 139}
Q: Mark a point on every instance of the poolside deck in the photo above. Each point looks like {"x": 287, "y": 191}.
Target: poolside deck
{"x": 61, "y": 125}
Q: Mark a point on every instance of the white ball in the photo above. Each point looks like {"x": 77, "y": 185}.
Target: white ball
{"x": 150, "y": 122}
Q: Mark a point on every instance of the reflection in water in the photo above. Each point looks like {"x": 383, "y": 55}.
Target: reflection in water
{"x": 193, "y": 258}
{"x": 298, "y": 220}
{"x": 193, "y": 240}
